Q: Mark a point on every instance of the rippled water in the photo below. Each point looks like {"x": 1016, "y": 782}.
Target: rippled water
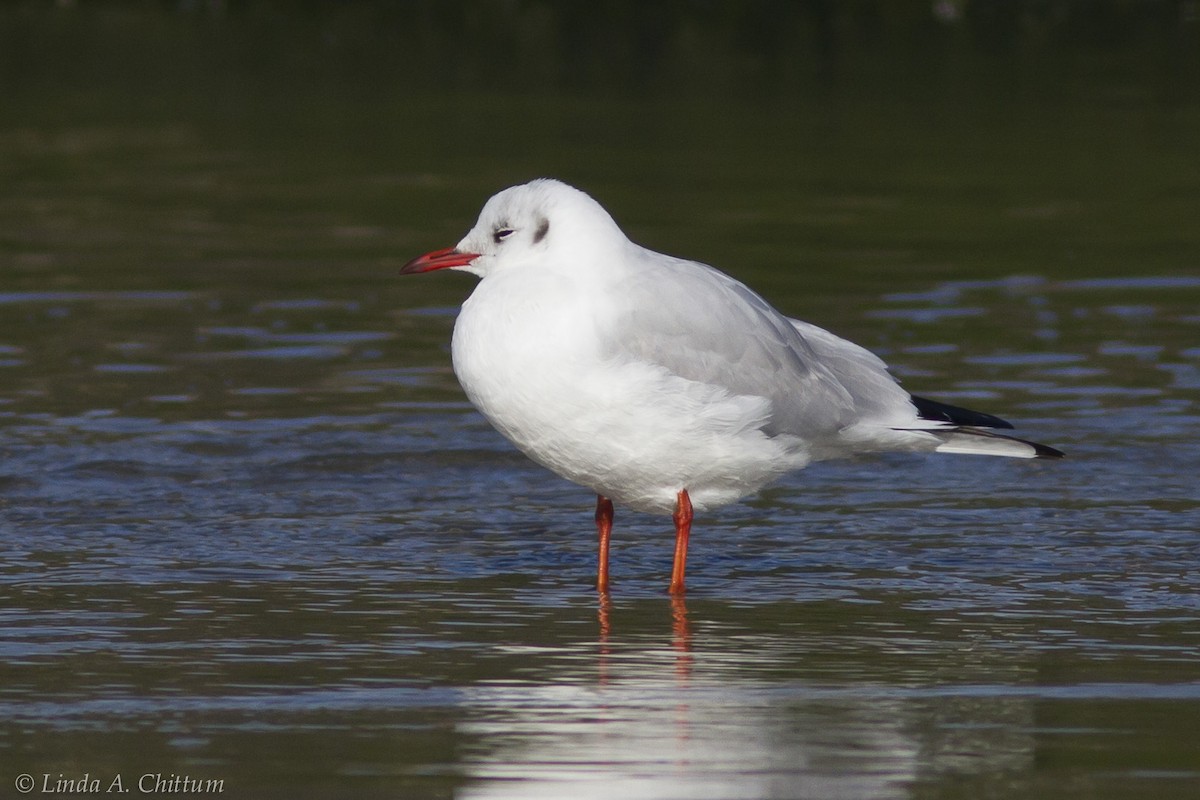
{"x": 250, "y": 531}
{"x": 241, "y": 543}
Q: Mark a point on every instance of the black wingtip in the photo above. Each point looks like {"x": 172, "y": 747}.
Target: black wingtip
{"x": 944, "y": 412}
{"x": 1045, "y": 451}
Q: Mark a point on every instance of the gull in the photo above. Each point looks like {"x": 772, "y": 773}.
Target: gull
{"x": 659, "y": 383}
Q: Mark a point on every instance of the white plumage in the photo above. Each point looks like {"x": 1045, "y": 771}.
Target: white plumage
{"x": 642, "y": 376}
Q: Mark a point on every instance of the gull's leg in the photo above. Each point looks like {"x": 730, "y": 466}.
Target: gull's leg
{"x": 683, "y": 529}
{"x": 604, "y": 523}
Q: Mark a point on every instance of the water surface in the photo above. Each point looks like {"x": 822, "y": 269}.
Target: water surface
{"x": 251, "y": 530}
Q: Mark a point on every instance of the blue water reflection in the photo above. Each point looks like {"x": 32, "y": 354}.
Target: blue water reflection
{"x": 252, "y": 521}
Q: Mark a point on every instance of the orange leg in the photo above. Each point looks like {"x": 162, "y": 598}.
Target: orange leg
{"x": 683, "y": 529}
{"x": 604, "y": 523}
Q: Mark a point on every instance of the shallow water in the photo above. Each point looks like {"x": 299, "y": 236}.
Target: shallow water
{"x": 252, "y": 532}
{"x": 246, "y": 545}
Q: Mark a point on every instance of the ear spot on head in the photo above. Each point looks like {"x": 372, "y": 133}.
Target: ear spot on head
{"x": 542, "y": 229}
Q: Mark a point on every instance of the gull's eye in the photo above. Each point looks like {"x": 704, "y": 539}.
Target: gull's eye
{"x": 500, "y": 234}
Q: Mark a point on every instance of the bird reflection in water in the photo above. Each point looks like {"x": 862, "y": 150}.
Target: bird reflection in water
{"x": 681, "y": 635}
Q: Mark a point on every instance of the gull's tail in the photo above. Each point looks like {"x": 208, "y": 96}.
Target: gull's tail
{"x": 971, "y": 435}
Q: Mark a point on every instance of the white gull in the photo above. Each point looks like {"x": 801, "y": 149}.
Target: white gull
{"x": 659, "y": 383}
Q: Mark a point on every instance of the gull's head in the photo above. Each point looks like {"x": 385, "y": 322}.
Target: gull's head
{"x": 537, "y": 223}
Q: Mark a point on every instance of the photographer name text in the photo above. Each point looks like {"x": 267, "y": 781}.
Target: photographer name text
{"x": 146, "y": 783}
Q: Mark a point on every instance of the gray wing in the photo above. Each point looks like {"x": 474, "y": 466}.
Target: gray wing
{"x": 703, "y": 325}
